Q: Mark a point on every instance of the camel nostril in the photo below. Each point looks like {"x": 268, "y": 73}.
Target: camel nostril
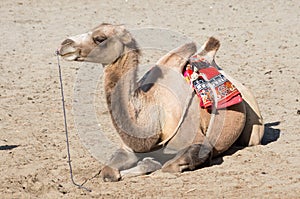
{"x": 67, "y": 42}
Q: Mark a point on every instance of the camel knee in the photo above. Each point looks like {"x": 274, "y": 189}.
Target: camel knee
{"x": 110, "y": 174}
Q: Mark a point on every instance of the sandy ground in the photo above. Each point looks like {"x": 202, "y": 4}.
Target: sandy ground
{"x": 260, "y": 47}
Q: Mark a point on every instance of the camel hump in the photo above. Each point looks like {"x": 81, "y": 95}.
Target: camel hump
{"x": 178, "y": 57}
{"x": 209, "y": 49}
{"x": 212, "y": 44}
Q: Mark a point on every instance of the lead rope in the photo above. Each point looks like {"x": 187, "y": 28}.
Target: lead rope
{"x": 66, "y": 127}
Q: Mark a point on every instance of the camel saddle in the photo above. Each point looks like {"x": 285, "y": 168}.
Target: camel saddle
{"x": 203, "y": 77}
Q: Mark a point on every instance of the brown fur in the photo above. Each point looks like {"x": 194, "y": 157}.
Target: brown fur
{"x": 113, "y": 74}
{"x": 212, "y": 44}
{"x": 130, "y": 106}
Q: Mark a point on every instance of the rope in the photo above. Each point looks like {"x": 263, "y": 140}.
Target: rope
{"x": 66, "y": 127}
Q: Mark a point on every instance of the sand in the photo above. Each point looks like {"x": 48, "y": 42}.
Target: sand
{"x": 260, "y": 46}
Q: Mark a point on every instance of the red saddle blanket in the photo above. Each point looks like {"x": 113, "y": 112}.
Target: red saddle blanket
{"x": 203, "y": 78}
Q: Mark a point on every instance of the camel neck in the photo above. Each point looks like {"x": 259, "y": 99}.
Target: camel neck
{"x": 127, "y": 64}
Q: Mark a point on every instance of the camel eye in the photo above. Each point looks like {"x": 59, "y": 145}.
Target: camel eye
{"x": 99, "y": 40}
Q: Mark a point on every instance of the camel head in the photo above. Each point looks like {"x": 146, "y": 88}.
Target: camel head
{"x": 104, "y": 44}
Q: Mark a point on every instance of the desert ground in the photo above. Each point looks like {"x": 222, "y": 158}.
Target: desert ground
{"x": 260, "y": 45}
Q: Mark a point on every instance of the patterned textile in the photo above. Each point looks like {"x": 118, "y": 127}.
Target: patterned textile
{"x": 203, "y": 78}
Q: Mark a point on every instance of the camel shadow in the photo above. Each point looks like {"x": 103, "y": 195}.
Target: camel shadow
{"x": 271, "y": 134}
{"x": 8, "y": 147}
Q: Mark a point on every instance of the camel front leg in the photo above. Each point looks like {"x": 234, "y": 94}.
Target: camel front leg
{"x": 146, "y": 166}
{"x": 189, "y": 158}
{"x": 122, "y": 159}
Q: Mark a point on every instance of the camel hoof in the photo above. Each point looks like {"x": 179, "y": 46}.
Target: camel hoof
{"x": 110, "y": 174}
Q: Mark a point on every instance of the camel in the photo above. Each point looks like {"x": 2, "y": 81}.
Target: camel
{"x": 158, "y": 117}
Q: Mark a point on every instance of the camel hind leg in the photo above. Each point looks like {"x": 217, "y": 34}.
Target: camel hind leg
{"x": 254, "y": 127}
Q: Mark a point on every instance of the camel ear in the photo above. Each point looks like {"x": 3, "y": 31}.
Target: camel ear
{"x": 209, "y": 49}
{"x": 124, "y": 35}
{"x": 178, "y": 57}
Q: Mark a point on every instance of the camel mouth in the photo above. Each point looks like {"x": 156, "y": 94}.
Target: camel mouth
{"x": 69, "y": 53}
{"x": 72, "y": 56}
